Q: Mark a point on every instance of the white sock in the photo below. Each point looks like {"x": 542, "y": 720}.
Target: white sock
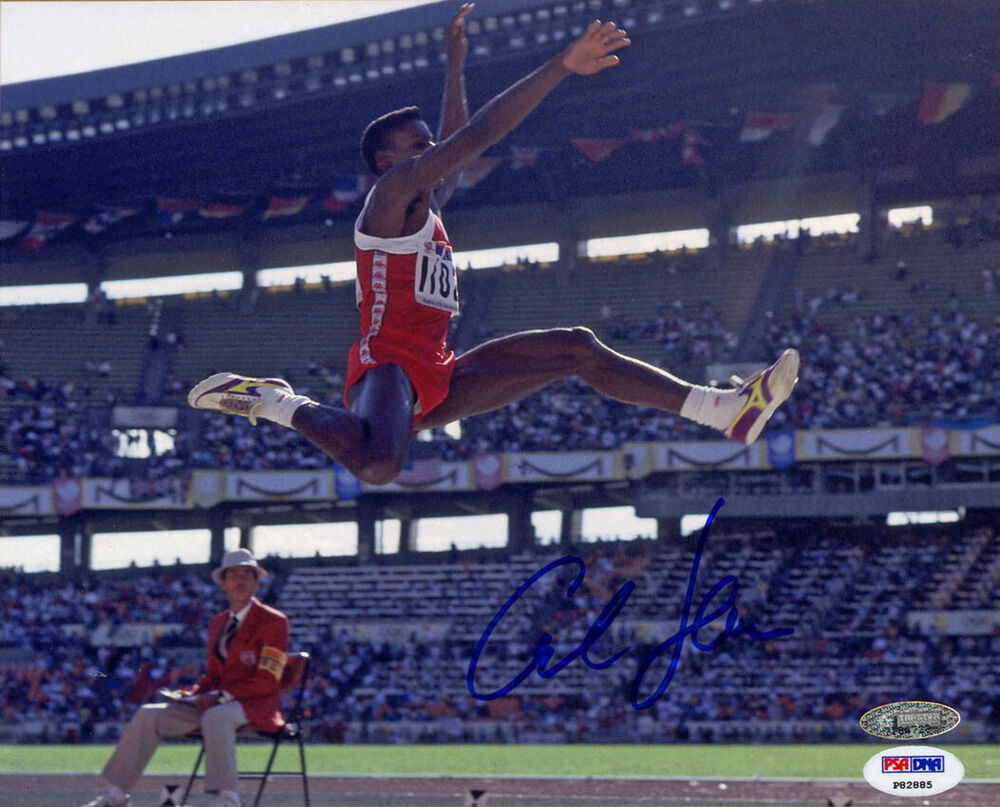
{"x": 278, "y": 406}
{"x": 116, "y": 795}
{"x": 711, "y": 407}
{"x": 230, "y": 795}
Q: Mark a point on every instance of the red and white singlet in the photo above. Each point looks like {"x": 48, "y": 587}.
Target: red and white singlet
{"x": 407, "y": 291}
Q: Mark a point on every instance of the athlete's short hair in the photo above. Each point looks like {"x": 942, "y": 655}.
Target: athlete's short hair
{"x": 378, "y": 132}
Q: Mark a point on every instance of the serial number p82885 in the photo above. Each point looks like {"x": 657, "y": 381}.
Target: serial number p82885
{"x": 917, "y": 785}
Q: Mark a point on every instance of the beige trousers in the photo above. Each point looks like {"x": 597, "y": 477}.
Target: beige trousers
{"x": 155, "y": 721}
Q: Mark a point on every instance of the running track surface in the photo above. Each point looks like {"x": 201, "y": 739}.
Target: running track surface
{"x": 62, "y": 790}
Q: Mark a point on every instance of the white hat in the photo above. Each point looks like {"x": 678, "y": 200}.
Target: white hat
{"x": 238, "y": 557}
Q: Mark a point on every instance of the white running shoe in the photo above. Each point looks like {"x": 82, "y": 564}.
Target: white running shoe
{"x": 234, "y": 394}
{"x": 104, "y": 801}
{"x": 764, "y": 392}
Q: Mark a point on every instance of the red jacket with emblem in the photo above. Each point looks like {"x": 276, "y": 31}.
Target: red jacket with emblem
{"x": 251, "y": 671}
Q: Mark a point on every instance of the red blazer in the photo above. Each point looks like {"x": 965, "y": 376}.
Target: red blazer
{"x": 251, "y": 671}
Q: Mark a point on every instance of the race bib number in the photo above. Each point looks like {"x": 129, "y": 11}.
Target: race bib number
{"x": 435, "y": 282}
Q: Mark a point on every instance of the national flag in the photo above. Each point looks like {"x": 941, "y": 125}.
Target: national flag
{"x": 781, "y": 448}
{"x": 346, "y": 190}
{"x": 345, "y": 483}
{"x": 10, "y": 228}
{"x": 420, "y": 472}
{"x": 45, "y": 228}
{"x": 759, "y": 126}
{"x": 282, "y": 206}
{"x": 597, "y": 150}
{"x": 488, "y": 470}
{"x": 170, "y": 212}
{"x": 220, "y": 210}
{"x": 105, "y": 216}
{"x": 941, "y": 101}
{"x": 823, "y": 121}
{"x": 691, "y": 139}
{"x": 934, "y": 445}
{"x": 476, "y": 171}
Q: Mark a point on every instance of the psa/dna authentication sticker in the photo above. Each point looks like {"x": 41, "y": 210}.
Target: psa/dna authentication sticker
{"x": 914, "y": 770}
{"x": 910, "y": 720}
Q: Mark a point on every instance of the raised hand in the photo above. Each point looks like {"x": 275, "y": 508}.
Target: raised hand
{"x": 456, "y": 43}
{"x": 594, "y": 50}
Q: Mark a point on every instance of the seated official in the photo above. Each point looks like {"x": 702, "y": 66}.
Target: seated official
{"x": 247, "y": 647}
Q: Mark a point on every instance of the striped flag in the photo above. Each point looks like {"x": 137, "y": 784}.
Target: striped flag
{"x": 46, "y": 227}
{"x": 221, "y": 210}
{"x": 420, "y": 472}
{"x": 281, "y": 206}
{"x": 170, "y": 212}
{"x": 597, "y": 150}
{"x": 941, "y": 101}
{"x": 105, "y": 216}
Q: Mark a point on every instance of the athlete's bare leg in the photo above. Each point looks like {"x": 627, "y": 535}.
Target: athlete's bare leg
{"x": 371, "y": 438}
{"x": 505, "y": 370}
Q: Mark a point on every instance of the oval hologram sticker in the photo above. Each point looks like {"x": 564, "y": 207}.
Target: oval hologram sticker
{"x": 910, "y": 720}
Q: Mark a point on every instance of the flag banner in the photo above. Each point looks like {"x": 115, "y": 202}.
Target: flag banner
{"x": 597, "y": 150}
{"x": 221, "y": 210}
{"x": 476, "y": 171}
{"x": 10, "y": 229}
{"x": 105, "y": 216}
{"x": 67, "y": 493}
{"x": 820, "y": 126}
{"x": 759, "y": 126}
{"x": 30, "y": 501}
{"x": 145, "y": 494}
{"x": 488, "y": 470}
{"x": 45, "y": 228}
{"x": 941, "y": 101}
{"x": 346, "y": 190}
{"x": 691, "y": 139}
{"x": 846, "y": 444}
{"x": 563, "y": 466}
{"x": 171, "y": 212}
{"x": 279, "y": 485}
{"x": 704, "y": 454}
{"x": 934, "y": 445}
{"x": 280, "y": 206}
{"x": 781, "y": 449}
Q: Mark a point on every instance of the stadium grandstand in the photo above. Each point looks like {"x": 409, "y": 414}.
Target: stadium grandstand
{"x": 821, "y": 174}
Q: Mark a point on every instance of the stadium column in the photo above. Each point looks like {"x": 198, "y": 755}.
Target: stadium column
{"x": 94, "y": 265}
{"x": 367, "y": 513}
{"x": 218, "y": 520}
{"x": 74, "y": 544}
{"x": 717, "y": 208}
{"x": 520, "y": 530}
{"x": 249, "y": 264}
{"x": 570, "y": 526}
{"x": 668, "y": 530}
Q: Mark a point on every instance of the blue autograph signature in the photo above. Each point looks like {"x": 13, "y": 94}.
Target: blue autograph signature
{"x": 688, "y": 628}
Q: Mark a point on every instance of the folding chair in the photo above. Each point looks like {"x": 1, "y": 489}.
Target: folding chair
{"x": 294, "y": 677}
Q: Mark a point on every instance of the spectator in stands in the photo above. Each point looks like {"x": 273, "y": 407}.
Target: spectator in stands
{"x": 247, "y": 648}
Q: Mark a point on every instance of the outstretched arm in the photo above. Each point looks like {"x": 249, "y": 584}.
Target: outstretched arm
{"x": 454, "y": 106}
{"x": 593, "y": 52}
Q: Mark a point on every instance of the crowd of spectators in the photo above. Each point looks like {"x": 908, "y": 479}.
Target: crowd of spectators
{"x": 891, "y": 370}
{"x": 77, "y": 658}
